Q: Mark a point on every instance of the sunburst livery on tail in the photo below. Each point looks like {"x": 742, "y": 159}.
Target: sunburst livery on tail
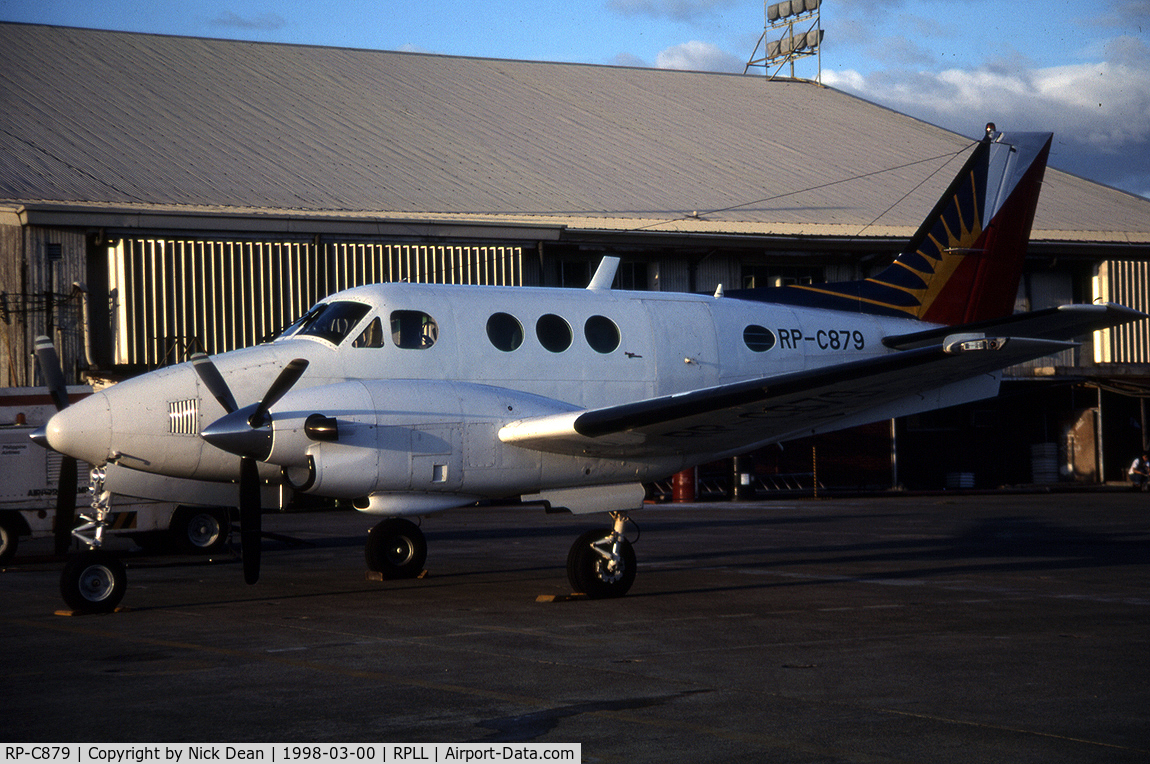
{"x": 964, "y": 263}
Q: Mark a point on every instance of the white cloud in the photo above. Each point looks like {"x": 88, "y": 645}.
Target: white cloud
{"x": 629, "y": 59}
{"x": 699, "y": 56}
{"x": 1100, "y": 112}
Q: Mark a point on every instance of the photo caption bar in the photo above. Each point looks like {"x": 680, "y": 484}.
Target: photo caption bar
{"x": 285, "y": 753}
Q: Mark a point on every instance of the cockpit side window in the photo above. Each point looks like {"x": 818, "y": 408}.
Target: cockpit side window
{"x": 334, "y": 321}
{"x": 413, "y": 329}
{"x": 371, "y": 337}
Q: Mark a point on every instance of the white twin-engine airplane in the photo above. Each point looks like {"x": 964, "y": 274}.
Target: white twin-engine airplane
{"x": 413, "y": 398}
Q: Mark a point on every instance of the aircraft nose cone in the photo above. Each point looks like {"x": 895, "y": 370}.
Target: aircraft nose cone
{"x": 233, "y": 433}
{"x": 83, "y": 430}
{"x": 39, "y": 436}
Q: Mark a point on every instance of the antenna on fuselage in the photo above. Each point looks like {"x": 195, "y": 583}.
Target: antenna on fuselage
{"x": 605, "y": 273}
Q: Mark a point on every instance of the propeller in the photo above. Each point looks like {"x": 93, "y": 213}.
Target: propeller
{"x": 49, "y": 363}
{"x": 245, "y": 432}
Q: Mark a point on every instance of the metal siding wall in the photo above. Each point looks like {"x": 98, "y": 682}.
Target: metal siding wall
{"x": 1040, "y": 290}
{"x": 28, "y": 276}
{"x": 176, "y": 296}
{"x": 716, "y": 270}
{"x": 1125, "y": 282}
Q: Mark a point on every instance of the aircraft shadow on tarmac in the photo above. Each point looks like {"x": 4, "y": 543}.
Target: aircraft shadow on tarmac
{"x": 992, "y": 545}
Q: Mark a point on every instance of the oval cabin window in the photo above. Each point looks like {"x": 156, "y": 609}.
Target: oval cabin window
{"x": 602, "y": 334}
{"x": 553, "y": 332}
{"x": 758, "y": 338}
{"x": 505, "y": 331}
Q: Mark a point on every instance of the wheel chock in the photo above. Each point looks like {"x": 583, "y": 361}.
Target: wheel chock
{"x": 375, "y": 575}
{"x": 561, "y": 597}
{"x": 70, "y": 613}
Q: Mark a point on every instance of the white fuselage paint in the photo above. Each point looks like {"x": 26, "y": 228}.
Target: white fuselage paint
{"x": 425, "y": 421}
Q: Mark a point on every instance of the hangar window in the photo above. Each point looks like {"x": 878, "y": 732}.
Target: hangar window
{"x": 602, "y": 334}
{"x": 760, "y": 339}
{"x": 372, "y": 336}
{"x": 504, "y": 331}
{"x": 554, "y": 333}
{"x": 333, "y": 321}
{"x": 413, "y": 329}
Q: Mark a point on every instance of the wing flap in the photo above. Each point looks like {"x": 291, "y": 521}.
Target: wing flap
{"x": 743, "y": 415}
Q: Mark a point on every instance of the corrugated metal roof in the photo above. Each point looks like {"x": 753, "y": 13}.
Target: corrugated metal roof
{"x": 146, "y": 122}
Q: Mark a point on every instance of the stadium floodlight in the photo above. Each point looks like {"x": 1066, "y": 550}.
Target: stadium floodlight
{"x": 788, "y": 8}
{"x": 779, "y": 23}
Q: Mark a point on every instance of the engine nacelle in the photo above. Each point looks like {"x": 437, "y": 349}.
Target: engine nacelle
{"x": 400, "y": 436}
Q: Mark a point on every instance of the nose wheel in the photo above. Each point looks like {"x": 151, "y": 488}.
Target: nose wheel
{"x": 601, "y": 563}
{"x": 93, "y": 582}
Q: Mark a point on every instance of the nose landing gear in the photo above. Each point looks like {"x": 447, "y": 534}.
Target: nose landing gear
{"x": 95, "y": 580}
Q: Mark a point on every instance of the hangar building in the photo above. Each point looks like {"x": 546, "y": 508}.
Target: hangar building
{"x": 164, "y": 194}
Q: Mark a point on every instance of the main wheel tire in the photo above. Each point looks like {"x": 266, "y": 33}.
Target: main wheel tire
{"x": 396, "y": 548}
{"x": 203, "y": 530}
{"x": 591, "y": 574}
{"x": 93, "y": 582}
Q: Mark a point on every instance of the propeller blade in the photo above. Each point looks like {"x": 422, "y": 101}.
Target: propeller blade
{"x": 250, "y": 520}
{"x": 65, "y": 505}
{"x": 49, "y": 362}
{"x": 279, "y": 388}
{"x": 53, "y": 374}
{"x": 251, "y": 442}
{"x": 214, "y": 381}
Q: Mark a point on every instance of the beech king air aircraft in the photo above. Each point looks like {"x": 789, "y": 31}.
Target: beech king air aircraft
{"x": 413, "y": 398}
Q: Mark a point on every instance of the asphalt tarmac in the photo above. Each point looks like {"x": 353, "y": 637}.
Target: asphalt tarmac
{"x": 1004, "y": 628}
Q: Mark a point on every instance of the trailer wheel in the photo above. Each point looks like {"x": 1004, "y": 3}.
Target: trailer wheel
{"x": 200, "y": 529}
{"x": 9, "y": 539}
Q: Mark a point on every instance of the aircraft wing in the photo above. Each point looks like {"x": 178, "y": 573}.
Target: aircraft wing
{"x": 1062, "y": 323}
{"x": 743, "y": 415}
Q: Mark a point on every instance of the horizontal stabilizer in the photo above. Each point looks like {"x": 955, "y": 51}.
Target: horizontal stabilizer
{"x": 1065, "y": 322}
{"x": 744, "y": 415}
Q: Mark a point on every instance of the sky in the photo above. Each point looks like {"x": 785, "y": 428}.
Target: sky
{"x": 1080, "y": 69}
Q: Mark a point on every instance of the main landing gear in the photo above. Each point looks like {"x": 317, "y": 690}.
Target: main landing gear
{"x": 601, "y": 564}
{"x": 396, "y": 548}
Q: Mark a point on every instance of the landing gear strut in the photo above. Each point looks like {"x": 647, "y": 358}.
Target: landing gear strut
{"x": 95, "y": 580}
{"x": 601, "y": 564}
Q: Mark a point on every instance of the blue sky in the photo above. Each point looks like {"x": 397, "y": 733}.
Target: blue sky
{"x": 1080, "y": 69}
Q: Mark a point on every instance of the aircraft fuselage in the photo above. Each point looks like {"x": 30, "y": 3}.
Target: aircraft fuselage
{"x": 421, "y": 379}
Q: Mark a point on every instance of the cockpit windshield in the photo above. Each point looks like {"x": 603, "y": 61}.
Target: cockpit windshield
{"x": 331, "y": 321}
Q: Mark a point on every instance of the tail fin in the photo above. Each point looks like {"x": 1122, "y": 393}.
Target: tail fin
{"x": 964, "y": 262}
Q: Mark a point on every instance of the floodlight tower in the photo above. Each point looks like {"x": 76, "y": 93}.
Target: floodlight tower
{"x": 780, "y": 43}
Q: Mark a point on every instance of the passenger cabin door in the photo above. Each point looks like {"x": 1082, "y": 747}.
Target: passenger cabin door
{"x": 683, "y": 335}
